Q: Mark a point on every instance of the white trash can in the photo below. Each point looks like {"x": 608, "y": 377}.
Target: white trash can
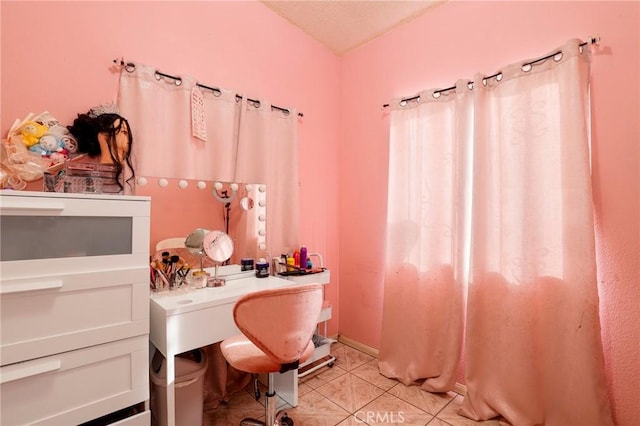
{"x": 188, "y": 390}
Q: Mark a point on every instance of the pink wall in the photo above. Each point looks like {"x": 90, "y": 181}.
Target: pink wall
{"x": 454, "y": 41}
{"x": 57, "y": 56}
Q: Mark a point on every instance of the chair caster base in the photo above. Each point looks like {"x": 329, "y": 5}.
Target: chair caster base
{"x": 281, "y": 420}
{"x": 286, "y": 421}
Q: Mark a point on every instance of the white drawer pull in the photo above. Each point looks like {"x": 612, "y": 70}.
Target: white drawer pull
{"x": 41, "y": 205}
{"x": 8, "y": 288}
{"x": 29, "y": 370}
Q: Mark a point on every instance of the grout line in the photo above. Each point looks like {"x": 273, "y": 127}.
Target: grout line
{"x": 440, "y": 420}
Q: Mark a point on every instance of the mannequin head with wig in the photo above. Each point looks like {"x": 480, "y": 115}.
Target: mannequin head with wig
{"x": 105, "y": 136}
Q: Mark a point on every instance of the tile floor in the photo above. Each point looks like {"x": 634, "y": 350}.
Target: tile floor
{"x": 352, "y": 392}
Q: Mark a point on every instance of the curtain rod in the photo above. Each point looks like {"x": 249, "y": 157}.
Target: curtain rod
{"x": 591, "y": 40}
{"x": 130, "y": 66}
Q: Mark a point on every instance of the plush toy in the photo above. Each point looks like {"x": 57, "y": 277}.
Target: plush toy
{"x": 70, "y": 143}
{"x": 31, "y": 132}
{"x": 58, "y": 157}
{"x": 47, "y": 145}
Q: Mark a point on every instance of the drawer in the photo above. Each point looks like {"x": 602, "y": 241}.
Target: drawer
{"x": 136, "y": 415}
{"x": 46, "y": 315}
{"x": 77, "y": 386}
{"x": 194, "y": 327}
{"x": 59, "y": 233}
{"x": 140, "y": 419}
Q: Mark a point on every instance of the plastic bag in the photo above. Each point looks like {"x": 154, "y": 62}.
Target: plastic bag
{"x": 18, "y": 165}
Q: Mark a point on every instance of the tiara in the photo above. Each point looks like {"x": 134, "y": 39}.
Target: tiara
{"x": 110, "y": 108}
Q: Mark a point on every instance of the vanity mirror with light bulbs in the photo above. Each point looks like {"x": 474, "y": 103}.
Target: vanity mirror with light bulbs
{"x": 236, "y": 208}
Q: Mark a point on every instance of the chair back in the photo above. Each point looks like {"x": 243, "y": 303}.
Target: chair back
{"x": 169, "y": 243}
{"x": 281, "y": 321}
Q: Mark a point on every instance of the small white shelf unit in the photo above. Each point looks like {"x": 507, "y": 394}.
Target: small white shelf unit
{"x": 321, "y": 341}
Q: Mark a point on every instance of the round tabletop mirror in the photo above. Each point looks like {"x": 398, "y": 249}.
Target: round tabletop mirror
{"x": 195, "y": 244}
{"x": 195, "y": 241}
{"x": 218, "y": 246}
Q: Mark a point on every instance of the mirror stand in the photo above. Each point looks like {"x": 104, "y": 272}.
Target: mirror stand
{"x": 215, "y": 281}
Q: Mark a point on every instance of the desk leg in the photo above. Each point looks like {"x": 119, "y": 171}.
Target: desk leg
{"x": 286, "y": 386}
{"x": 171, "y": 375}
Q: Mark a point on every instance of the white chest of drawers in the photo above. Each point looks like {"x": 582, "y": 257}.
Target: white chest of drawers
{"x": 74, "y": 306}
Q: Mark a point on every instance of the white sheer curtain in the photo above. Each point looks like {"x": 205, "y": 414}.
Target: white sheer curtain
{"x": 422, "y": 325}
{"x": 532, "y": 335}
{"x": 160, "y": 111}
{"x": 245, "y": 142}
{"x": 268, "y": 153}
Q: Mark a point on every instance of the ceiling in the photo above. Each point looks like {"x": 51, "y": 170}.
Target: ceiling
{"x": 342, "y": 25}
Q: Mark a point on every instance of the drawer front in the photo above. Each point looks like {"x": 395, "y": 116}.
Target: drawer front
{"x": 140, "y": 419}
{"x": 195, "y": 328}
{"x": 77, "y": 386}
{"x": 52, "y": 228}
{"x": 46, "y": 315}
{"x": 63, "y": 233}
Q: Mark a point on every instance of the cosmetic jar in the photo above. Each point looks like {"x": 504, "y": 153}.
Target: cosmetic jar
{"x": 246, "y": 264}
{"x": 262, "y": 268}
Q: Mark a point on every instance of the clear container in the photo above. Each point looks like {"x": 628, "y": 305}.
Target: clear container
{"x": 197, "y": 279}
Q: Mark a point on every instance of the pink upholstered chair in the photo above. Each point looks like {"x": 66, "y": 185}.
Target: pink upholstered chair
{"x": 277, "y": 327}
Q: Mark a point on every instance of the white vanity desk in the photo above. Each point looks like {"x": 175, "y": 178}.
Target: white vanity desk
{"x": 186, "y": 320}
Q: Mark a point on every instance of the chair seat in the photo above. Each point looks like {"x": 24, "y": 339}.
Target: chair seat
{"x": 245, "y": 356}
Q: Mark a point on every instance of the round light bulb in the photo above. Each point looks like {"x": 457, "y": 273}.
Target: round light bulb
{"x": 183, "y": 184}
{"x": 202, "y": 185}
{"x": 217, "y": 186}
{"x": 234, "y": 187}
{"x": 142, "y": 180}
{"x": 163, "y": 182}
